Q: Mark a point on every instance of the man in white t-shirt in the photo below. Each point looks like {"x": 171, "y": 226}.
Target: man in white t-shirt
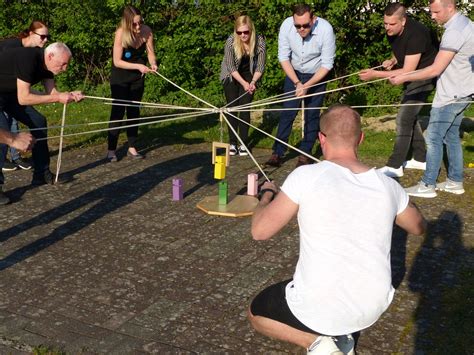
{"x": 346, "y": 211}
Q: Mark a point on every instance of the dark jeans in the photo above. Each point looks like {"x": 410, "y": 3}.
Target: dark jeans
{"x": 233, "y": 90}
{"x": 287, "y": 117}
{"x": 409, "y": 131}
{"x": 32, "y": 119}
{"x": 132, "y": 91}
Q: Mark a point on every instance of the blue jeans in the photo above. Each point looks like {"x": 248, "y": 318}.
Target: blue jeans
{"x": 14, "y": 154}
{"x": 32, "y": 119}
{"x": 444, "y": 129}
{"x": 287, "y": 117}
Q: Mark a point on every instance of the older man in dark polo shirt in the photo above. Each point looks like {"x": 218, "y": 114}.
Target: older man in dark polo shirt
{"x": 20, "y": 69}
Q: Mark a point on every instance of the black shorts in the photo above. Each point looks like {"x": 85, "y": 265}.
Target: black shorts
{"x": 271, "y": 303}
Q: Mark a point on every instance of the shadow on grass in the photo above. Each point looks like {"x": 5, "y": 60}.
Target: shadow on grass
{"x": 442, "y": 275}
{"x": 100, "y": 202}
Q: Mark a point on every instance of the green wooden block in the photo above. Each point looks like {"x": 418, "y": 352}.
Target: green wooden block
{"x": 223, "y": 192}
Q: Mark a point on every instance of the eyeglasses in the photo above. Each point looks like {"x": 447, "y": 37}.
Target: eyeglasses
{"x": 323, "y": 134}
{"x": 137, "y": 23}
{"x": 305, "y": 26}
{"x": 240, "y": 33}
{"x": 42, "y": 37}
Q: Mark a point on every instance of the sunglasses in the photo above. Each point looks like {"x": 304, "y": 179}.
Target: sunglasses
{"x": 42, "y": 37}
{"x": 240, "y": 33}
{"x": 137, "y": 23}
{"x": 305, "y": 26}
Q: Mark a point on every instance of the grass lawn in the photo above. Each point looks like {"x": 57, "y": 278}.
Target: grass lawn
{"x": 377, "y": 145}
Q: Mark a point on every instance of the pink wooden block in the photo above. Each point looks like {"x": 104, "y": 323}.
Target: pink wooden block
{"x": 252, "y": 184}
{"x": 177, "y": 189}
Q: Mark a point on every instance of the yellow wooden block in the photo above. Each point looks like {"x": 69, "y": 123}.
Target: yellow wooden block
{"x": 215, "y": 146}
{"x": 219, "y": 168}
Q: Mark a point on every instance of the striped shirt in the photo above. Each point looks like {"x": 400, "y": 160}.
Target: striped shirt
{"x": 230, "y": 62}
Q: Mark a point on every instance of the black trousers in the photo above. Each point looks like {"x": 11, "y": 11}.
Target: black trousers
{"x": 409, "y": 133}
{"x": 132, "y": 91}
{"x": 32, "y": 119}
{"x": 233, "y": 90}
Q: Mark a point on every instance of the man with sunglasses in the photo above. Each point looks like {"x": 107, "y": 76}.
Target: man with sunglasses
{"x": 20, "y": 69}
{"x": 306, "y": 51}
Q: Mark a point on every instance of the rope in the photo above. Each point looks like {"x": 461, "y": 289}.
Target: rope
{"x": 58, "y": 164}
{"x": 187, "y": 92}
{"x": 321, "y": 83}
{"x": 275, "y": 138}
{"x": 246, "y": 148}
{"x": 126, "y": 126}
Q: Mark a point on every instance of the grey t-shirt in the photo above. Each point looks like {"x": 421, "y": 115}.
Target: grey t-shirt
{"x": 457, "y": 80}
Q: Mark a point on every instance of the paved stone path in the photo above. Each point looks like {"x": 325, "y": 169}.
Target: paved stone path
{"x": 107, "y": 263}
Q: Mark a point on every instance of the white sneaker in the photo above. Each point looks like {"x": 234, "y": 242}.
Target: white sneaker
{"x": 242, "y": 151}
{"x": 414, "y": 164}
{"x": 345, "y": 343}
{"x": 451, "y": 186}
{"x": 391, "y": 172}
{"x": 421, "y": 190}
{"x": 324, "y": 345}
{"x": 232, "y": 150}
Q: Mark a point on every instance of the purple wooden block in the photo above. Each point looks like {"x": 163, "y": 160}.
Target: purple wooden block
{"x": 177, "y": 189}
{"x": 252, "y": 184}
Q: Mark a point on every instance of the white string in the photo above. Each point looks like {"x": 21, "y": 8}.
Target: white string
{"x": 236, "y": 108}
{"x": 246, "y": 148}
{"x": 60, "y": 152}
{"x": 187, "y": 92}
{"x": 275, "y": 138}
{"x": 320, "y": 83}
{"x": 122, "y": 120}
{"x": 121, "y": 127}
{"x": 355, "y": 106}
{"x": 151, "y": 104}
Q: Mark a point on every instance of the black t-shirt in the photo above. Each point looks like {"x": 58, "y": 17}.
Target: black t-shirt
{"x": 416, "y": 38}
{"x": 131, "y": 55}
{"x": 10, "y": 43}
{"x": 26, "y": 64}
{"x": 244, "y": 66}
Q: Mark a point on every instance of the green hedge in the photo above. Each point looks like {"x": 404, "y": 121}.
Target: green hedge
{"x": 189, "y": 41}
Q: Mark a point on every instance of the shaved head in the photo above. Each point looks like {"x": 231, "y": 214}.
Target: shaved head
{"x": 341, "y": 126}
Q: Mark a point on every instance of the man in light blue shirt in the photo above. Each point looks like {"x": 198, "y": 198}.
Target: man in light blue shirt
{"x": 306, "y": 51}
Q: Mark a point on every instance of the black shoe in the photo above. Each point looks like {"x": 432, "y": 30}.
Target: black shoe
{"x": 4, "y": 200}
{"x": 9, "y": 166}
{"x": 45, "y": 178}
{"x": 22, "y": 164}
{"x": 303, "y": 160}
{"x": 274, "y": 160}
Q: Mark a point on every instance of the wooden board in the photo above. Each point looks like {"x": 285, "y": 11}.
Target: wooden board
{"x": 240, "y": 206}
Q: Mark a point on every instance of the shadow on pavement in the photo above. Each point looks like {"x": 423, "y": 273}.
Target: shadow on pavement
{"x": 102, "y": 200}
{"x": 442, "y": 276}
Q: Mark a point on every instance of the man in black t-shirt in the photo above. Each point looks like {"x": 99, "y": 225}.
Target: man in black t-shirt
{"x": 20, "y": 69}
{"x": 413, "y": 48}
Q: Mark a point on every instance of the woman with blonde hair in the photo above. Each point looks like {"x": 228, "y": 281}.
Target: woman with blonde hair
{"x": 132, "y": 39}
{"x": 242, "y": 67}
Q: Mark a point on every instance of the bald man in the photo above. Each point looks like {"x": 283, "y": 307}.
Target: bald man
{"x": 345, "y": 209}
{"x": 454, "y": 68}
